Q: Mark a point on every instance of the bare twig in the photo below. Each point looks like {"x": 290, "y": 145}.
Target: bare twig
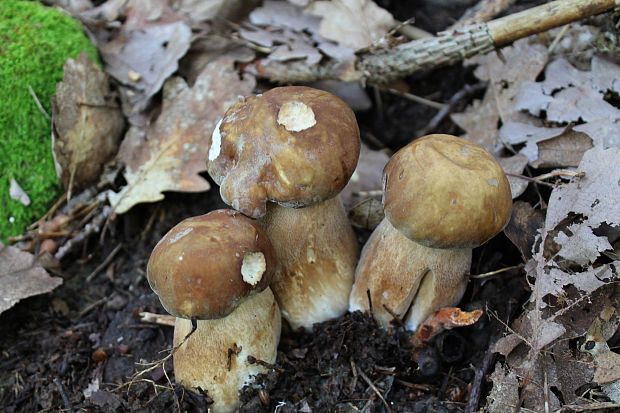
{"x": 104, "y": 264}
{"x": 445, "y": 111}
{"x": 383, "y": 65}
{"x": 374, "y": 388}
{"x": 160, "y": 319}
{"x": 492, "y": 273}
{"x": 63, "y": 395}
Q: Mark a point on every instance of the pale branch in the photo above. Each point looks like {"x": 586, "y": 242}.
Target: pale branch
{"x": 384, "y": 65}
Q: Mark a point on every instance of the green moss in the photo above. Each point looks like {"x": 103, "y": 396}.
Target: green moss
{"x": 35, "y": 42}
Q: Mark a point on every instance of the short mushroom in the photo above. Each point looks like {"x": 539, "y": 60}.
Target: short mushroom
{"x": 283, "y": 157}
{"x": 442, "y": 197}
{"x": 216, "y": 268}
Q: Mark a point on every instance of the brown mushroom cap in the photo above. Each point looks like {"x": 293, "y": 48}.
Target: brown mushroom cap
{"x": 292, "y": 145}
{"x": 207, "y": 265}
{"x": 446, "y": 192}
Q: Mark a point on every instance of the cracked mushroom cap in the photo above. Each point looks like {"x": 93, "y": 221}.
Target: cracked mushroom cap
{"x": 207, "y": 265}
{"x": 292, "y": 145}
{"x": 446, "y": 192}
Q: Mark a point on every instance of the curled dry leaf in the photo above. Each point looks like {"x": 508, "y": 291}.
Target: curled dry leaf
{"x": 443, "y": 319}
{"x": 21, "y": 277}
{"x": 87, "y": 123}
{"x": 171, "y": 153}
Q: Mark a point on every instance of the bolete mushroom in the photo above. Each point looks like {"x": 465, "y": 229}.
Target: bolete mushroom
{"x": 442, "y": 197}
{"x": 283, "y": 157}
{"x": 216, "y": 268}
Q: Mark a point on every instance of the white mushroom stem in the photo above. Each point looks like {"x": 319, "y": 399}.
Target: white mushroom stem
{"x": 318, "y": 251}
{"x": 215, "y": 356}
{"x": 405, "y": 279}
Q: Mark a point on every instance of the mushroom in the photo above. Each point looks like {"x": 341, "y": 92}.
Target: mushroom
{"x": 216, "y": 268}
{"x": 283, "y": 157}
{"x": 442, "y": 197}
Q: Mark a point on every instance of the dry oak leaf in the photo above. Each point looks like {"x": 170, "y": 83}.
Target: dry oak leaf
{"x": 172, "y": 154}
{"x": 571, "y": 95}
{"x": 144, "y": 53}
{"x": 352, "y": 23}
{"x": 87, "y": 123}
{"x": 521, "y": 62}
{"x": 21, "y": 277}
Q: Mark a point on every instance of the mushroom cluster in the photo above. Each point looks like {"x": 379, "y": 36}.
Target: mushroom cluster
{"x": 442, "y": 196}
{"x": 216, "y": 269}
{"x": 281, "y": 159}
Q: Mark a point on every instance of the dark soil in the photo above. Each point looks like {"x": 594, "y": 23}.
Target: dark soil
{"x": 87, "y": 336}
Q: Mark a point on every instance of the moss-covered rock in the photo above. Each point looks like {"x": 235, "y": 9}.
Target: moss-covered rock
{"x": 35, "y": 42}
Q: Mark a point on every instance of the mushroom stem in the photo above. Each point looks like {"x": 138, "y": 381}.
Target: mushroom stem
{"x": 405, "y": 279}
{"x": 215, "y": 357}
{"x": 318, "y": 251}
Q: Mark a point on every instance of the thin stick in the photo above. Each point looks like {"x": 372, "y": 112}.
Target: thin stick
{"x": 63, "y": 395}
{"x": 417, "y": 99}
{"x": 104, "y": 264}
{"x": 38, "y": 103}
{"x": 492, "y": 273}
{"x": 384, "y": 65}
{"x": 374, "y": 388}
{"x": 160, "y": 319}
{"x": 483, "y": 12}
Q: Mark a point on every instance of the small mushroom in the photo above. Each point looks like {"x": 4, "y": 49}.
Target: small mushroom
{"x": 216, "y": 268}
{"x": 283, "y": 157}
{"x": 442, "y": 197}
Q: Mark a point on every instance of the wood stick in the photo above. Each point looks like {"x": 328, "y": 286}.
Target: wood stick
{"x": 161, "y": 319}
{"x": 384, "y": 65}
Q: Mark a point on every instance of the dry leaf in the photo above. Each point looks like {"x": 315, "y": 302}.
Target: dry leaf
{"x": 505, "y": 392}
{"x": 443, "y": 319}
{"x": 515, "y": 165}
{"x": 87, "y": 123}
{"x": 17, "y": 193}
{"x": 172, "y": 154}
{"x": 523, "y": 227}
{"x": 521, "y": 62}
{"x": 144, "y": 53}
{"x": 368, "y": 214}
{"x": 571, "y": 95}
{"x": 21, "y": 277}
{"x": 368, "y": 176}
{"x": 352, "y": 23}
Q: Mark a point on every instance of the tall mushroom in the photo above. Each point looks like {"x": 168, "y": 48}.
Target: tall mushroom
{"x": 216, "y": 268}
{"x": 442, "y": 197}
{"x": 283, "y": 157}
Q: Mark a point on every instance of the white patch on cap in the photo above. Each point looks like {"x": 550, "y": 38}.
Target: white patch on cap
{"x": 296, "y": 116}
{"x": 493, "y": 182}
{"x": 253, "y": 267}
{"x": 216, "y": 142}
{"x": 180, "y": 235}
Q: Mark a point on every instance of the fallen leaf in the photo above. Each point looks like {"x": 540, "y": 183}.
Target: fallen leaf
{"x": 171, "y": 153}
{"x": 368, "y": 176}
{"x": 21, "y": 277}
{"x": 368, "y": 214}
{"x": 443, "y": 319}
{"x": 87, "y": 123}
{"x": 571, "y": 95}
{"x": 515, "y": 165}
{"x": 144, "y": 53}
{"x": 504, "y": 395}
{"x": 352, "y": 23}
{"x": 17, "y": 193}
{"x": 519, "y": 63}
{"x": 523, "y": 227}
{"x": 283, "y": 14}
